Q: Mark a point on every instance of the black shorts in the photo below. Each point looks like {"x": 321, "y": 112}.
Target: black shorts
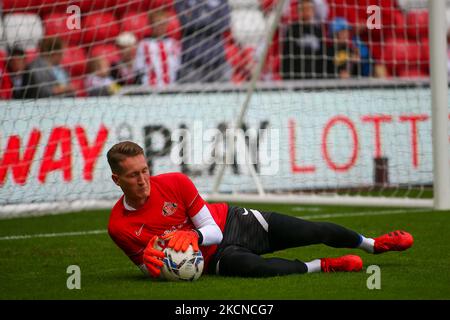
{"x": 245, "y": 228}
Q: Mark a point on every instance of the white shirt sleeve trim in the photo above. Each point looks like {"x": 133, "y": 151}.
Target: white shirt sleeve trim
{"x": 204, "y": 222}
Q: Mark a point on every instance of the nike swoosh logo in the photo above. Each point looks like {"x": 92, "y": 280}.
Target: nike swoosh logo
{"x": 245, "y": 212}
{"x": 138, "y": 233}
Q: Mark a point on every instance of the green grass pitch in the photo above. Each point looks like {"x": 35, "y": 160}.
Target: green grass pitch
{"x": 35, "y": 267}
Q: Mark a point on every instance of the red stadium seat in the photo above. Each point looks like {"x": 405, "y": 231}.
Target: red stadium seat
{"x": 343, "y": 8}
{"x": 127, "y": 6}
{"x": 96, "y": 5}
{"x": 79, "y": 86}
{"x": 110, "y": 51}
{"x": 231, "y": 49}
{"x": 47, "y": 7}
{"x": 99, "y": 27}
{"x": 41, "y": 7}
{"x": 20, "y": 6}
{"x": 3, "y": 57}
{"x": 398, "y": 27}
{"x": 74, "y": 61}
{"x": 136, "y": 23}
{"x": 417, "y": 21}
{"x": 55, "y": 25}
{"x": 174, "y": 27}
{"x": 412, "y": 73}
{"x": 404, "y": 55}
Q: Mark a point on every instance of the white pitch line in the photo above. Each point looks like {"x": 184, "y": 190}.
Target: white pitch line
{"x": 53, "y": 235}
{"x": 361, "y": 214}
{"x": 317, "y": 216}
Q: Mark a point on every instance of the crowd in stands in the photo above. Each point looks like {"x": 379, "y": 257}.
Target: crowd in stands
{"x": 158, "y": 43}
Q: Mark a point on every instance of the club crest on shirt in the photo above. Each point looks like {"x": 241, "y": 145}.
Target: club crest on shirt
{"x": 169, "y": 208}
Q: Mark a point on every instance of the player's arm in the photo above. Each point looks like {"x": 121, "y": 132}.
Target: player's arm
{"x": 206, "y": 227}
{"x": 206, "y": 231}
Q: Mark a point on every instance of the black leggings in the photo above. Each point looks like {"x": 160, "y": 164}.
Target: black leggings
{"x": 284, "y": 232}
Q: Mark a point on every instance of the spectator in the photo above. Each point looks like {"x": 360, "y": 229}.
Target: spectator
{"x": 12, "y": 76}
{"x": 203, "y": 53}
{"x": 44, "y": 77}
{"x": 303, "y": 45}
{"x": 123, "y": 71}
{"x": 158, "y": 57}
{"x": 321, "y": 10}
{"x": 369, "y": 67}
{"x": 99, "y": 81}
{"x": 343, "y": 55}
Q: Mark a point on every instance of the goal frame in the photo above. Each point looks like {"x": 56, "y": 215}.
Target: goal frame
{"x": 439, "y": 111}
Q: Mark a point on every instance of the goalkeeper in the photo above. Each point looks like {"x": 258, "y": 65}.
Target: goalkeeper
{"x": 231, "y": 239}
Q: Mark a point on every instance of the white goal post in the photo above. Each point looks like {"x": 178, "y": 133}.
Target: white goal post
{"x": 440, "y": 137}
{"x": 439, "y": 87}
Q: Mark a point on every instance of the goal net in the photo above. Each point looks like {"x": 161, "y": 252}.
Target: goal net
{"x": 292, "y": 101}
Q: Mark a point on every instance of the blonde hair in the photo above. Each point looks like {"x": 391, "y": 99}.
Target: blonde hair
{"x": 120, "y": 151}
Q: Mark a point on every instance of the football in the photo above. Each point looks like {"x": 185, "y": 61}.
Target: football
{"x": 184, "y": 266}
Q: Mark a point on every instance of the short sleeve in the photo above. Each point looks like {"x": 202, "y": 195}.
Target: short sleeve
{"x": 191, "y": 197}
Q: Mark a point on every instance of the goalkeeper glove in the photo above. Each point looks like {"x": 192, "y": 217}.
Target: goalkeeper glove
{"x": 181, "y": 239}
{"x": 152, "y": 258}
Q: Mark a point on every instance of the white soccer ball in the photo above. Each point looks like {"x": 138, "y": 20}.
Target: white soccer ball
{"x": 178, "y": 265}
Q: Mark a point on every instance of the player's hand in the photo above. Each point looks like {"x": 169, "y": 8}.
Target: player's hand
{"x": 152, "y": 258}
{"x": 181, "y": 239}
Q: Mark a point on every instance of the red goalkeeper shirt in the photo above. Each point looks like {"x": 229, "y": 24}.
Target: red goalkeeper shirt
{"x": 173, "y": 201}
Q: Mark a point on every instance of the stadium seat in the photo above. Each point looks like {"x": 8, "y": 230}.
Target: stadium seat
{"x": 136, "y": 23}
{"x": 47, "y": 7}
{"x": 99, "y": 27}
{"x": 79, "y": 86}
{"x": 345, "y": 9}
{"x": 23, "y": 29}
{"x": 3, "y": 57}
{"x": 20, "y": 6}
{"x": 412, "y": 73}
{"x": 398, "y": 27}
{"x": 41, "y": 7}
{"x": 126, "y": 6}
{"x": 110, "y": 51}
{"x": 96, "y": 5}
{"x": 174, "y": 27}
{"x": 74, "y": 61}
{"x": 417, "y": 21}
{"x": 55, "y": 25}
{"x": 403, "y": 55}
